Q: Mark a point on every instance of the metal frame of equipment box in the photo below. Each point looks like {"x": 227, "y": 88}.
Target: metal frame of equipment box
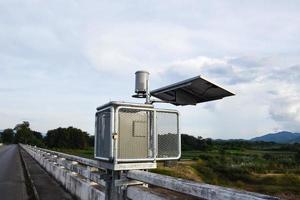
{"x": 136, "y": 135}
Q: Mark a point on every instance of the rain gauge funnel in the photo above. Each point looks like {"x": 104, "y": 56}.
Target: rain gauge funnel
{"x": 141, "y": 84}
{"x": 136, "y": 136}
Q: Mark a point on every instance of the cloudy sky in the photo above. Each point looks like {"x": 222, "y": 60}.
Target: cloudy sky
{"x": 59, "y": 60}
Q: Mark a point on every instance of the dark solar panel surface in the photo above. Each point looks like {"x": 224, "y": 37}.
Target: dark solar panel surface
{"x": 190, "y": 92}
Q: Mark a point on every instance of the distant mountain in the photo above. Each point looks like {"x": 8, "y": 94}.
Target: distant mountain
{"x": 280, "y": 137}
{"x": 297, "y": 140}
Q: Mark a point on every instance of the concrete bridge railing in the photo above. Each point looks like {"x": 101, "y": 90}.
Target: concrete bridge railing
{"x": 87, "y": 179}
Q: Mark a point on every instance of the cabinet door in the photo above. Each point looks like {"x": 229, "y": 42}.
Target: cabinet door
{"x": 134, "y": 134}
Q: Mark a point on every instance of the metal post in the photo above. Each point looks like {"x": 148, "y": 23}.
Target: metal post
{"x": 148, "y": 101}
{"x": 112, "y": 190}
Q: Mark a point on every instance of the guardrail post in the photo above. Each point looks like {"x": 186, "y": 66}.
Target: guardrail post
{"x": 117, "y": 183}
{"x": 111, "y": 190}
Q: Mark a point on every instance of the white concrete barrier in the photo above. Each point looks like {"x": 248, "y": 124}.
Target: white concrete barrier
{"x": 78, "y": 186}
{"x": 84, "y": 179}
{"x": 195, "y": 189}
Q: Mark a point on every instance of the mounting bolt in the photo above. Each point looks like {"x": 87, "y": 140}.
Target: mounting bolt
{"x": 115, "y": 136}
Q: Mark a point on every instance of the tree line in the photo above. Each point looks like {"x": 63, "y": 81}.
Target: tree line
{"x": 189, "y": 143}
{"x": 70, "y": 137}
{"x": 74, "y": 138}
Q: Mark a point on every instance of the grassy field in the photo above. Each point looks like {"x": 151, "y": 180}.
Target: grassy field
{"x": 86, "y": 153}
{"x": 271, "y": 172}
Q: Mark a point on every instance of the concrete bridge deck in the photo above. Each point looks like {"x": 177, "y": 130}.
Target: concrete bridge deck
{"x": 44, "y": 186}
{"x": 12, "y": 181}
{"x": 13, "y": 184}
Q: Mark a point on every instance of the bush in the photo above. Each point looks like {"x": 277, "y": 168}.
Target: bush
{"x": 71, "y": 138}
{"x": 8, "y": 136}
{"x": 297, "y": 157}
{"x": 207, "y": 173}
{"x": 26, "y": 136}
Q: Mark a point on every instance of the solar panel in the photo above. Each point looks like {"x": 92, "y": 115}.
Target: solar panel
{"x": 190, "y": 92}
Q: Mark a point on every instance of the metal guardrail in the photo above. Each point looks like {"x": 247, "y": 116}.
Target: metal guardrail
{"x": 133, "y": 184}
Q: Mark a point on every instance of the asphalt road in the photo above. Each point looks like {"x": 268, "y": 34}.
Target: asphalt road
{"x": 12, "y": 181}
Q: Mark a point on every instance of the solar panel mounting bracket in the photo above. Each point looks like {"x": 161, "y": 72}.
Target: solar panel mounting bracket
{"x": 187, "y": 92}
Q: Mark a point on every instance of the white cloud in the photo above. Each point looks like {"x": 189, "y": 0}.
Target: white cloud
{"x": 130, "y": 46}
{"x": 58, "y": 64}
{"x": 267, "y": 95}
{"x": 285, "y": 107}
